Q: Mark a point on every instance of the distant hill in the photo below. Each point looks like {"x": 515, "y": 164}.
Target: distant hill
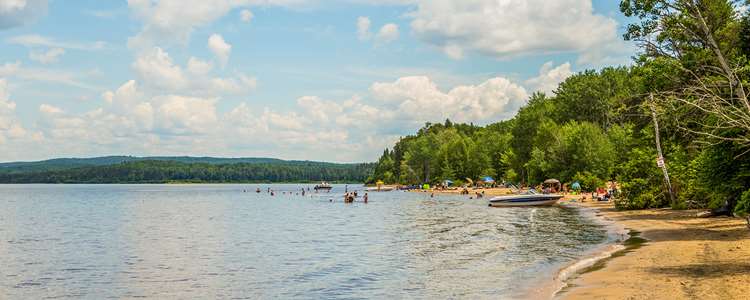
{"x": 159, "y": 169}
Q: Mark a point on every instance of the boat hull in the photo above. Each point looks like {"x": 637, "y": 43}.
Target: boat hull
{"x": 524, "y": 200}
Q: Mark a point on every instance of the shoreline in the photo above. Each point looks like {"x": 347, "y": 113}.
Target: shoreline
{"x": 659, "y": 254}
{"x": 675, "y": 255}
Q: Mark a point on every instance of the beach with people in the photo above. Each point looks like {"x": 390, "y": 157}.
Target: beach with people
{"x": 661, "y": 254}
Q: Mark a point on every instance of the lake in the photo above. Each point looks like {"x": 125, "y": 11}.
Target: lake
{"x": 226, "y": 241}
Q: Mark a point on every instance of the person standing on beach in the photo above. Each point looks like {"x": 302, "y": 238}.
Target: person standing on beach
{"x": 365, "y": 198}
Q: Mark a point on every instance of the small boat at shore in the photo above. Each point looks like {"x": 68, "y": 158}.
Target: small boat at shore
{"x": 530, "y": 199}
{"x": 323, "y": 186}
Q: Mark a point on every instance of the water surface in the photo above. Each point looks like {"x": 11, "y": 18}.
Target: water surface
{"x": 226, "y": 241}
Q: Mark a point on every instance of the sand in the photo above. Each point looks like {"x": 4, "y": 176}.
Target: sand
{"x": 684, "y": 257}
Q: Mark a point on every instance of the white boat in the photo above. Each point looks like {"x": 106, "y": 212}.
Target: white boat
{"x": 324, "y": 186}
{"x": 530, "y": 199}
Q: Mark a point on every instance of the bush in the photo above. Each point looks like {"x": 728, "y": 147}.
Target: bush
{"x": 589, "y": 182}
{"x": 743, "y": 206}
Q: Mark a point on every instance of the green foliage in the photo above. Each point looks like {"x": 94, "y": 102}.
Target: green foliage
{"x": 743, "y": 206}
{"x": 598, "y": 126}
{"x": 156, "y": 171}
{"x": 589, "y": 182}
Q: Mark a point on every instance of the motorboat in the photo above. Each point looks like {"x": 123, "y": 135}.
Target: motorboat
{"x": 529, "y": 199}
{"x": 323, "y": 186}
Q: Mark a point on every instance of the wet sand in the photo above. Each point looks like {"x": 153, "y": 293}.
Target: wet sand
{"x": 674, "y": 255}
{"x": 683, "y": 257}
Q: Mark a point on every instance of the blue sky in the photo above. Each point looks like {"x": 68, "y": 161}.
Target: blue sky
{"x": 294, "y": 79}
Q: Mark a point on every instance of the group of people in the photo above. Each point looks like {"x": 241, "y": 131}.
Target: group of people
{"x": 349, "y": 197}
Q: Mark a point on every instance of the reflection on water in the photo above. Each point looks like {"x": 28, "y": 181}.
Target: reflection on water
{"x": 217, "y": 241}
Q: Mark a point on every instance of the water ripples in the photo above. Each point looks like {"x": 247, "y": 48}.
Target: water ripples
{"x": 215, "y": 241}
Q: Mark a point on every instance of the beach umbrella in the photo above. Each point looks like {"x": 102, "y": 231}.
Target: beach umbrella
{"x": 469, "y": 181}
{"x": 379, "y": 183}
{"x": 575, "y": 186}
{"x": 447, "y": 182}
{"x": 552, "y": 181}
{"x": 488, "y": 179}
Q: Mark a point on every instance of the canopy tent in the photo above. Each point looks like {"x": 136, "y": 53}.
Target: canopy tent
{"x": 488, "y": 179}
{"x": 554, "y": 182}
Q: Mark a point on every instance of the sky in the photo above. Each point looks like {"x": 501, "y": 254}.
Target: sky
{"x": 333, "y": 80}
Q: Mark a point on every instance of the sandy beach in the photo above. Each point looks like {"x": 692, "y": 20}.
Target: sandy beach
{"x": 682, "y": 256}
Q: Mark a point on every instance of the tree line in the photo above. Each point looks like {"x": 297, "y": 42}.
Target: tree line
{"x": 690, "y": 75}
{"x": 156, "y": 171}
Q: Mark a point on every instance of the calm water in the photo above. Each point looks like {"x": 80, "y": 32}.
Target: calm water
{"x": 216, "y": 241}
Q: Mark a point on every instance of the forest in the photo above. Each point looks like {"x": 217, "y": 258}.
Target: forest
{"x": 182, "y": 170}
{"x": 690, "y": 77}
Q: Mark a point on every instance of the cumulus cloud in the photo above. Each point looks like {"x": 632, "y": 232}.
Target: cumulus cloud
{"x": 10, "y": 127}
{"x": 419, "y": 99}
{"x": 388, "y": 33}
{"x": 186, "y": 115}
{"x": 20, "y": 12}
{"x": 246, "y": 15}
{"x": 156, "y": 68}
{"x": 549, "y": 77}
{"x": 47, "y": 57}
{"x": 511, "y": 28}
{"x": 172, "y": 21}
{"x": 220, "y": 48}
{"x": 363, "y": 28}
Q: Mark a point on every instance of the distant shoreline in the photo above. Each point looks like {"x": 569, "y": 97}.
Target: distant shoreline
{"x": 176, "y": 183}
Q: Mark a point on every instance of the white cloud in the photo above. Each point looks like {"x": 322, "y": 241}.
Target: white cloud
{"x": 20, "y": 12}
{"x": 549, "y": 78}
{"x": 220, "y": 48}
{"x": 186, "y": 115}
{"x": 246, "y": 15}
{"x": 363, "y": 28}
{"x": 16, "y": 70}
{"x": 10, "y": 127}
{"x": 388, "y": 33}
{"x": 419, "y": 99}
{"x": 168, "y": 22}
{"x": 199, "y": 67}
{"x": 35, "y": 40}
{"x": 50, "y": 56}
{"x": 157, "y": 69}
{"x": 510, "y": 28}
